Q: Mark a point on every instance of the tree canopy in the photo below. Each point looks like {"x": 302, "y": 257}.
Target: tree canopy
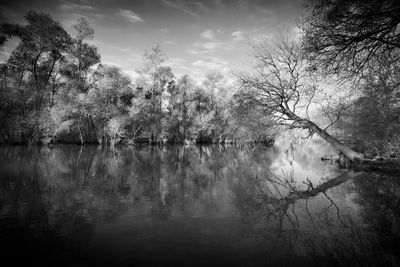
{"x": 347, "y": 35}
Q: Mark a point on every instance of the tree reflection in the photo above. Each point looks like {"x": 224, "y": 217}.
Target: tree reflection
{"x": 55, "y": 199}
{"x": 318, "y": 223}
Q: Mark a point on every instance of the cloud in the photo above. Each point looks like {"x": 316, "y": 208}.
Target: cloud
{"x": 108, "y": 62}
{"x": 192, "y": 51}
{"x": 130, "y": 15}
{"x": 202, "y": 6}
{"x": 132, "y": 74}
{"x": 211, "y": 63}
{"x": 180, "y": 5}
{"x": 238, "y": 36}
{"x": 165, "y": 30}
{"x": 208, "y": 34}
{"x": 168, "y": 42}
{"x": 209, "y": 45}
{"x": 266, "y": 11}
{"x": 177, "y": 63}
{"x": 206, "y": 47}
{"x": 69, "y": 6}
{"x": 73, "y": 11}
{"x": 243, "y": 4}
{"x": 260, "y": 37}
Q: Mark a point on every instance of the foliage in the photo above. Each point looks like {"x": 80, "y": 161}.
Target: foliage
{"x": 55, "y": 89}
{"x": 348, "y": 35}
{"x": 361, "y": 40}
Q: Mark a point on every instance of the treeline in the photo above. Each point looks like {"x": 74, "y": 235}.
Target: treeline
{"x": 337, "y": 77}
{"x": 54, "y": 89}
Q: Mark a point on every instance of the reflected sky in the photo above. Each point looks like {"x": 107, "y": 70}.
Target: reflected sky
{"x": 194, "y": 206}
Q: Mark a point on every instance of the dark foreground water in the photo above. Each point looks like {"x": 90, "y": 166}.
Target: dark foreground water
{"x": 193, "y": 206}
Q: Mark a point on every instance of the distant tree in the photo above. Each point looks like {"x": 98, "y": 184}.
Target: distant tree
{"x": 83, "y": 57}
{"x": 348, "y": 35}
{"x": 151, "y": 65}
{"x": 108, "y": 106}
{"x": 199, "y": 110}
{"x": 213, "y": 82}
{"x": 249, "y": 123}
{"x": 178, "y": 117}
{"x": 215, "y": 86}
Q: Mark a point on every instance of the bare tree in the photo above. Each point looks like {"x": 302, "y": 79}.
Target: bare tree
{"x": 284, "y": 88}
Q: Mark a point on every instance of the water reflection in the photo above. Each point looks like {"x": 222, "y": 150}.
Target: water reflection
{"x": 248, "y": 206}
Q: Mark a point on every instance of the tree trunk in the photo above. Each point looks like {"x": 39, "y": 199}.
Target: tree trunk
{"x": 347, "y": 151}
{"x": 307, "y": 124}
{"x": 80, "y": 134}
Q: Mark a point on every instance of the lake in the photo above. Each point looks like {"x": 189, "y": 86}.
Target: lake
{"x": 194, "y": 206}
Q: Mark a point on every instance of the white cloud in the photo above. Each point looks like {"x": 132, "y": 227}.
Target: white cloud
{"x": 109, "y": 62}
{"x": 192, "y": 51}
{"x": 180, "y": 5}
{"x": 208, "y": 47}
{"x": 132, "y": 74}
{"x": 167, "y": 42}
{"x": 238, "y": 36}
{"x": 201, "y": 6}
{"x": 68, "y": 6}
{"x": 177, "y": 63}
{"x": 130, "y": 15}
{"x": 208, "y": 34}
{"x": 211, "y": 63}
{"x": 165, "y": 30}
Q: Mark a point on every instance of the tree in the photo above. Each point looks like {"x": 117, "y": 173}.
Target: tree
{"x": 83, "y": 57}
{"x": 200, "y": 107}
{"x": 152, "y": 61}
{"x": 213, "y": 84}
{"x": 109, "y": 107}
{"x": 43, "y": 42}
{"x": 80, "y": 75}
{"x": 178, "y": 118}
{"x": 284, "y": 89}
{"x": 375, "y": 115}
{"x": 249, "y": 123}
{"x": 31, "y": 72}
{"x": 348, "y": 35}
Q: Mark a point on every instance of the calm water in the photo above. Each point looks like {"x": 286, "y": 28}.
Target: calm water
{"x": 193, "y": 206}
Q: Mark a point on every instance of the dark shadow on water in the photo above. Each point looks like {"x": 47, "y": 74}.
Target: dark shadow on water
{"x": 193, "y": 206}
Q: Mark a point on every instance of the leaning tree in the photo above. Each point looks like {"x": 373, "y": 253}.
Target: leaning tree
{"x": 284, "y": 88}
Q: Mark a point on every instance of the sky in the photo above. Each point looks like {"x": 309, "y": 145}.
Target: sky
{"x": 197, "y": 36}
